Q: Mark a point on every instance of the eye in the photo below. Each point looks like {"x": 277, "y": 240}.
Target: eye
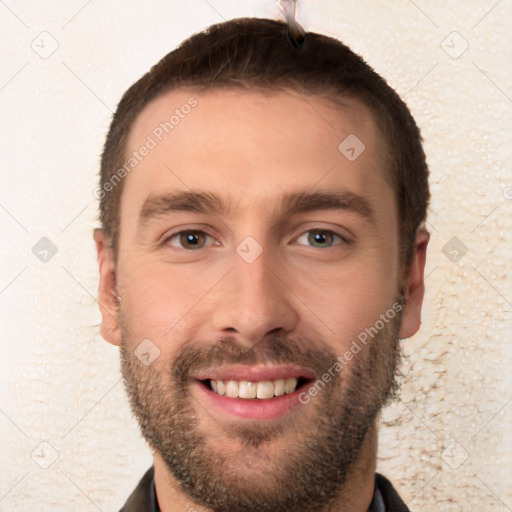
{"x": 323, "y": 237}
{"x": 189, "y": 239}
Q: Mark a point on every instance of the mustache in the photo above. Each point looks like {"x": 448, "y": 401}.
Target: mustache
{"x": 272, "y": 350}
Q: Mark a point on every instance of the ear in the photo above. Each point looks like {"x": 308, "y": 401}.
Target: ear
{"x": 107, "y": 293}
{"x": 414, "y": 288}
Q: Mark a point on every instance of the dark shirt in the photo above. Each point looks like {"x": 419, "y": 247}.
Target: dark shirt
{"x": 143, "y": 498}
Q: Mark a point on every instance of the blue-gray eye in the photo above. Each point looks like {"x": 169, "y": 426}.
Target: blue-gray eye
{"x": 321, "y": 238}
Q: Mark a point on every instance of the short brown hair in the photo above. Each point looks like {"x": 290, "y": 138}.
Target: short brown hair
{"x": 258, "y": 53}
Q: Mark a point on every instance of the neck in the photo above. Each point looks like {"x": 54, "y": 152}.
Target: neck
{"x": 356, "y": 495}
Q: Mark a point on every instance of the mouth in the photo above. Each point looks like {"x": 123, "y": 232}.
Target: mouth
{"x": 261, "y": 393}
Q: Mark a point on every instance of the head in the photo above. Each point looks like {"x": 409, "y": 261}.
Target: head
{"x": 262, "y": 211}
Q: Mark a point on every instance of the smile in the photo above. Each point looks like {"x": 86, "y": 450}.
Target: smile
{"x": 247, "y": 389}
{"x": 258, "y": 393}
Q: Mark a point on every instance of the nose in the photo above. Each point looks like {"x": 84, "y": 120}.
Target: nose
{"x": 254, "y": 300}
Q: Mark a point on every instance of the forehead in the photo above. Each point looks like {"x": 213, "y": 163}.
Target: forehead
{"x": 219, "y": 107}
{"x": 254, "y": 145}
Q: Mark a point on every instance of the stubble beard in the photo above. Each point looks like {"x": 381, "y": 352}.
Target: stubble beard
{"x": 311, "y": 472}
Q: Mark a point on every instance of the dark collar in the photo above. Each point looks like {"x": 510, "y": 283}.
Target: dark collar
{"x": 392, "y": 500}
{"x": 143, "y": 498}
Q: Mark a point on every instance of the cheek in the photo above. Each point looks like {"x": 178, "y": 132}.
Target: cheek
{"x": 149, "y": 306}
{"x": 159, "y": 302}
{"x": 346, "y": 300}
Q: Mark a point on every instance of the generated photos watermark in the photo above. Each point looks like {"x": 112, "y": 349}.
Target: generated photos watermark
{"x": 156, "y": 136}
{"x": 348, "y": 355}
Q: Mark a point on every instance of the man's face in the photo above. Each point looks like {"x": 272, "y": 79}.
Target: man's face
{"x": 255, "y": 289}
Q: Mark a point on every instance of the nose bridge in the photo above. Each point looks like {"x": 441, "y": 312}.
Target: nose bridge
{"x": 254, "y": 283}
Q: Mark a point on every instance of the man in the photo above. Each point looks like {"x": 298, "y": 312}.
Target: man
{"x": 261, "y": 254}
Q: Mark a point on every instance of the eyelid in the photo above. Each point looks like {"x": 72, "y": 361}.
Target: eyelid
{"x": 344, "y": 240}
{"x": 318, "y": 225}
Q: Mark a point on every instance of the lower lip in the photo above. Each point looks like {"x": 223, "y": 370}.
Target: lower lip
{"x": 253, "y": 408}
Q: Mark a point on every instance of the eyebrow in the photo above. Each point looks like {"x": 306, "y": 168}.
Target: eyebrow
{"x": 287, "y": 205}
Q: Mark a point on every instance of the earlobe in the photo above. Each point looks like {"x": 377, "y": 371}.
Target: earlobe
{"x": 414, "y": 288}
{"x": 107, "y": 294}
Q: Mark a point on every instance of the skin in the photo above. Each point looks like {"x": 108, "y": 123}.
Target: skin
{"x": 249, "y": 148}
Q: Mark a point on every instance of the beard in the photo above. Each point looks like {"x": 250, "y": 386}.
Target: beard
{"x": 319, "y": 447}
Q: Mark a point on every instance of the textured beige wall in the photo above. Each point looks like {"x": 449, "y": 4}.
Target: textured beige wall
{"x": 68, "y": 441}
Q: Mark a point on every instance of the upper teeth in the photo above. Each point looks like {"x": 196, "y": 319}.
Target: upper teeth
{"x": 250, "y": 389}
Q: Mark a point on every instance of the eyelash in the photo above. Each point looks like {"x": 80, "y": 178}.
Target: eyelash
{"x": 343, "y": 240}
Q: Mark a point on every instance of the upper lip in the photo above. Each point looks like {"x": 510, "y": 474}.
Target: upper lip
{"x": 256, "y": 373}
